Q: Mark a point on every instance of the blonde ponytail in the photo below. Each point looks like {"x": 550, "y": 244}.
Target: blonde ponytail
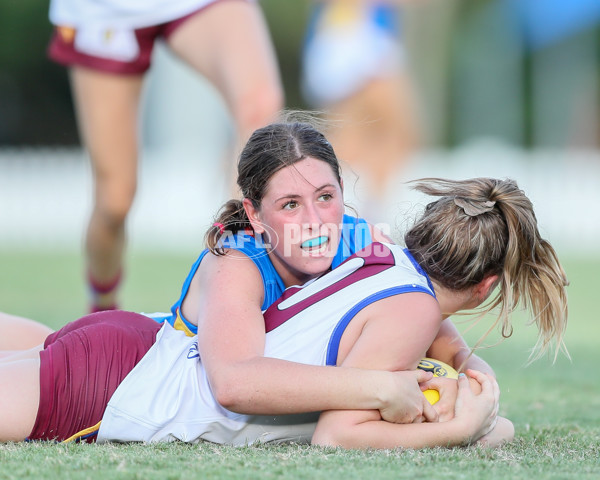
{"x": 482, "y": 227}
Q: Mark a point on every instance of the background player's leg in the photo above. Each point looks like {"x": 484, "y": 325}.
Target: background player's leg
{"x": 229, "y": 44}
{"x": 107, "y": 108}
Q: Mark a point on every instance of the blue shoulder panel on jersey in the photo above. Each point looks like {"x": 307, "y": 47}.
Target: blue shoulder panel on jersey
{"x": 356, "y": 235}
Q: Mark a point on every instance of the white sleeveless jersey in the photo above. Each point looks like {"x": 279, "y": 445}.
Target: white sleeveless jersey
{"x": 167, "y": 396}
{"x": 128, "y": 14}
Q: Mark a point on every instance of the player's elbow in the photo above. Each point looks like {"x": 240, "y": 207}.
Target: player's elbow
{"x": 226, "y": 397}
{"x": 331, "y": 435}
{"x": 228, "y": 391}
{"x": 325, "y": 438}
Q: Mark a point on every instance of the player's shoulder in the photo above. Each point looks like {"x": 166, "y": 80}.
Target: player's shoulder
{"x": 231, "y": 261}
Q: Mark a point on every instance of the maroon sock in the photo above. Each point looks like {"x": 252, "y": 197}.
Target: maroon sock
{"x": 98, "y": 289}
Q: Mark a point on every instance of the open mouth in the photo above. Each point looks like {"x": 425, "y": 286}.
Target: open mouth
{"x": 315, "y": 245}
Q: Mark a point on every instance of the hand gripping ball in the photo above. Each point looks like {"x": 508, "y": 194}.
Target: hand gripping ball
{"x": 439, "y": 369}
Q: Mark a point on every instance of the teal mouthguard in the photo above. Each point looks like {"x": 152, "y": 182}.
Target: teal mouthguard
{"x": 313, "y": 242}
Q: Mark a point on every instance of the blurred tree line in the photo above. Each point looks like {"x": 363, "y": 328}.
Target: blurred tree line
{"x": 477, "y": 72}
{"x": 35, "y": 101}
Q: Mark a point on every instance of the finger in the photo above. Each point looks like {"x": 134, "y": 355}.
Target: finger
{"x": 436, "y": 383}
{"x": 463, "y": 383}
{"x": 429, "y": 385}
{"x": 490, "y": 387}
{"x": 418, "y": 419}
{"x": 430, "y": 414}
{"x": 423, "y": 376}
{"x": 477, "y": 375}
{"x": 483, "y": 379}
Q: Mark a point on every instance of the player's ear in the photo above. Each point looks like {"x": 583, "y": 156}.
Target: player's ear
{"x": 253, "y": 215}
{"x": 484, "y": 288}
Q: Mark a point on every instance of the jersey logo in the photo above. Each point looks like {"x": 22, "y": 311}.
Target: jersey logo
{"x": 193, "y": 351}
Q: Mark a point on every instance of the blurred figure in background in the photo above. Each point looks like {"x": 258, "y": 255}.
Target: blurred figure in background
{"x": 354, "y": 69}
{"x": 107, "y": 47}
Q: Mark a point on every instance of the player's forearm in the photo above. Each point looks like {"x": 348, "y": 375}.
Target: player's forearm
{"x": 450, "y": 347}
{"x": 383, "y": 435}
{"x": 463, "y": 361}
{"x": 447, "y": 344}
{"x": 273, "y": 386}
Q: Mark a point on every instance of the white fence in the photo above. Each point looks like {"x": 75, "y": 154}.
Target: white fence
{"x": 45, "y": 195}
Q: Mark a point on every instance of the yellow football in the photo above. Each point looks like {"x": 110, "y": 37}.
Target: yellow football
{"x": 439, "y": 369}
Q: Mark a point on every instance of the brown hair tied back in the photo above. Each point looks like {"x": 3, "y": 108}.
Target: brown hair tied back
{"x": 268, "y": 150}
{"x": 485, "y": 226}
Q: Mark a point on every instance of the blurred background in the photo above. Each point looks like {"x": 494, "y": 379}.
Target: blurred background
{"x": 507, "y": 88}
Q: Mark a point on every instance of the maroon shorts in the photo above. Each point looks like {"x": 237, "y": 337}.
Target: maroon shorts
{"x": 62, "y": 48}
{"x": 82, "y": 365}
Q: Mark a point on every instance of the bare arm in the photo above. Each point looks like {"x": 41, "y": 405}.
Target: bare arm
{"x": 232, "y": 339}
{"x": 389, "y": 342}
{"x": 475, "y": 415}
{"x": 450, "y": 347}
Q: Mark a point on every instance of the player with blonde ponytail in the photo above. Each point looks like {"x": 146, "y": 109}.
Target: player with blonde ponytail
{"x": 485, "y": 226}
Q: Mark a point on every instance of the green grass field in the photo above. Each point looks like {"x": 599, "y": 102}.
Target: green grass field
{"x": 555, "y": 407}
